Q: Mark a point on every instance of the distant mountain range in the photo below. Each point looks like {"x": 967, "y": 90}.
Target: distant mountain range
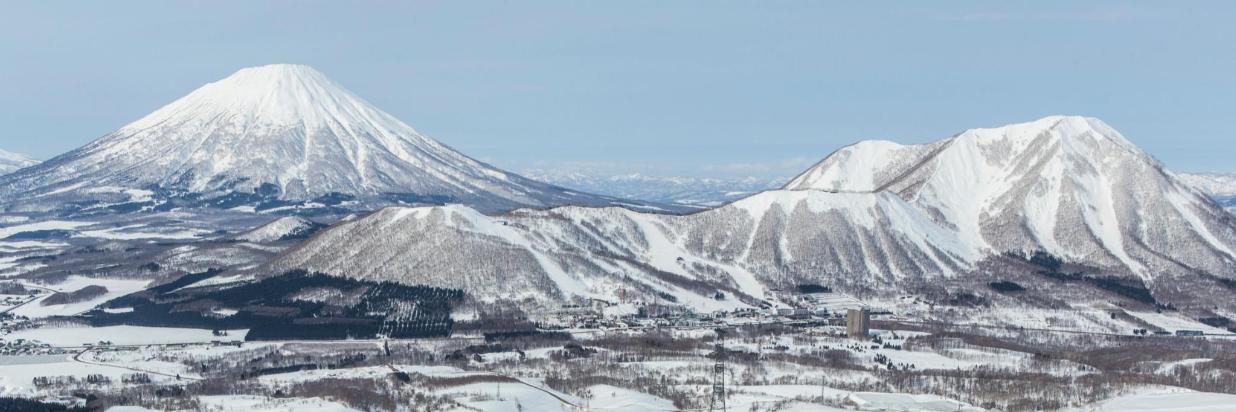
{"x": 1059, "y": 200}
{"x": 1220, "y": 186}
{"x": 272, "y": 137}
{"x": 10, "y": 162}
{"x": 711, "y": 192}
{"x": 683, "y": 190}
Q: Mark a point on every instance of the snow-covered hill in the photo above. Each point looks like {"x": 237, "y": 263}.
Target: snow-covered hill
{"x": 284, "y": 228}
{"x": 10, "y": 162}
{"x": 775, "y": 239}
{"x": 276, "y": 135}
{"x": 1070, "y": 186}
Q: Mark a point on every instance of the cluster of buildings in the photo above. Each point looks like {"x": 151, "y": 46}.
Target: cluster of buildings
{"x": 584, "y": 313}
{"x": 10, "y": 323}
{"x": 20, "y": 346}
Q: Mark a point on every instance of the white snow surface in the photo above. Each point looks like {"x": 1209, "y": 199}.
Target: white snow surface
{"x": 1166, "y": 401}
{"x": 6, "y": 231}
{"x": 879, "y": 401}
{"x": 247, "y": 403}
{"x": 118, "y": 335}
{"x": 10, "y": 162}
{"x": 1214, "y": 184}
{"x": 115, "y": 288}
{"x": 281, "y": 228}
{"x": 612, "y": 398}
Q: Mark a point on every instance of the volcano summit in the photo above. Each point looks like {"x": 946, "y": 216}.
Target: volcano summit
{"x": 267, "y": 137}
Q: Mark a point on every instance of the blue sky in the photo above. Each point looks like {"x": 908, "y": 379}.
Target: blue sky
{"x": 684, "y": 87}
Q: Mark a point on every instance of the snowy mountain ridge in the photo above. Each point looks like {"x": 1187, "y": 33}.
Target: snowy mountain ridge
{"x": 875, "y": 216}
{"x": 10, "y": 162}
{"x": 1215, "y": 184}
{"x": 289, "y": 133}
{"x": 284, "y": 228}
{"x": 745, "y": 249}
{"x": 1220, "y": 186}
{"x": 1068, "y": 185}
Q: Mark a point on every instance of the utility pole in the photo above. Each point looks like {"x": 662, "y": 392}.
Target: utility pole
{"x": 717, "y": 402}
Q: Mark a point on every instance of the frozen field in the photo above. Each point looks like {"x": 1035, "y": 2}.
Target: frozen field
{"x": 1177, "y": 401}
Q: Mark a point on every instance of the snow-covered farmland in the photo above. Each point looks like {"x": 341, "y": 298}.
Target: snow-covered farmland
{"x": 115, "y": 288}
{"x": 118, "y": 335}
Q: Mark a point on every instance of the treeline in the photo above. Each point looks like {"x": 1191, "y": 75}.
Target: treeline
{"x": 294, "y": 305}
{"x": 1129, "y": 287}
{"x": 21, "y": 404}
{"x": 80, "y": 295}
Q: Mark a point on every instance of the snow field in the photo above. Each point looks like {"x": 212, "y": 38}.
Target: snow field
{"x": 120, "y": 335}
{"x": 115, "y": 288}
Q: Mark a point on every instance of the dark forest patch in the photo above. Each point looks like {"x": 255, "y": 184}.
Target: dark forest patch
{"x": 21, "y": 404}
{"x": 1128, "y": 287}
{"x": 813, "y": 288}
{"x": 41, "y": 235}
{"x": 295, "y": 305}
{"x": 1005, "y": 286}
{"x": 80, "y": 295}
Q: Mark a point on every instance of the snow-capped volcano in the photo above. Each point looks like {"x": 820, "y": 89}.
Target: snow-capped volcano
{"x": 10, "y": 161}
{"x": 288, "y": 132}
{"x": 1067, "y": 185}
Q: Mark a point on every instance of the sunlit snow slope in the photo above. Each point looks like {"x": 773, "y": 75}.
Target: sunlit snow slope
{"x": 284, "y": 228}
{"x": 1070, "y": 186}
{"x": 775, "y": 239}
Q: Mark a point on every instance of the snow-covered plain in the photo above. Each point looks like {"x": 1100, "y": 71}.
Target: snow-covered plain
{"x": 241, "y": 403}
{"x": 17, "y": 379}
{"x": 1174, "y": 401}
{"x": 6, "y": 231}
{"x": 512, "y": 382}
{"x": 119, "y": 335}
{"x": 115, "y": 288}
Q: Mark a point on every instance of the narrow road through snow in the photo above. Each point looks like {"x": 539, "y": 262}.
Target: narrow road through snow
{"x": 78, "y": 358}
